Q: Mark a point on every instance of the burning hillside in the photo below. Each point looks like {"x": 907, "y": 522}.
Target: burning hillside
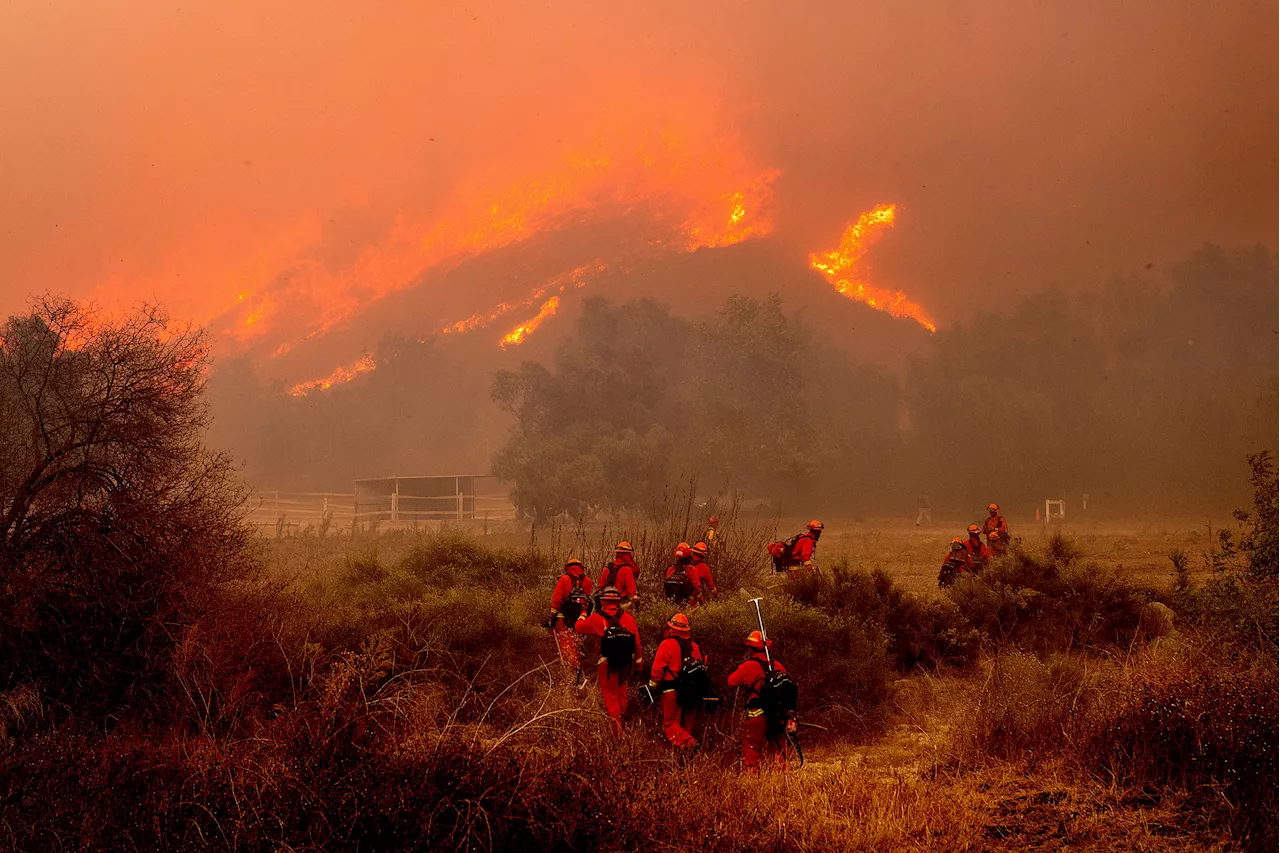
{"x": 626, "y": 194}
{"x": 694, "y": 188}
{"x": 638, "y": 265}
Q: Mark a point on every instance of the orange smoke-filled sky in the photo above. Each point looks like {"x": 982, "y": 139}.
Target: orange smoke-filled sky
{"x": 193, "y": 152}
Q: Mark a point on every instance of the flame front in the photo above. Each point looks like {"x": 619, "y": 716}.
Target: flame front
{"x": 340, "y": 375}
{"x": 693, "y": 186}
{"x": 517, "y": 335}
{"x": 576, "y": 277}
{"x": 840, "y": 267}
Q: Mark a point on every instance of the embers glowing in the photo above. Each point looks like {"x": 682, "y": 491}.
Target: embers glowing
{"x": 840, "y": 267}
{"x": 517, "y": 335}
{"x": 340, "y": 375}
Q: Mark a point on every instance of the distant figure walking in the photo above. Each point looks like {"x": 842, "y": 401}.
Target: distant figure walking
{"x": 924, "y": 514}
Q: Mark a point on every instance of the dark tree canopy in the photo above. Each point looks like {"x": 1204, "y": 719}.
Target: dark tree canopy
{"x": 640, "y": 399}
{"x": 116, "y": 524}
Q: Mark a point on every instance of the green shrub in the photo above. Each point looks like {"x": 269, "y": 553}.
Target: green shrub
{"x": 921, "y": 632}
{"x": 364, "y": 569}
{"x": 451, "y": 558}
{"x": 1239, "y": 603}
{"x": 1051, "y": 601}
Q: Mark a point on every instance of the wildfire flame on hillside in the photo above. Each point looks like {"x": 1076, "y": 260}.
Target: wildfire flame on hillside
{"x": 342, "y": 374}
{"x": 575, "y": 277}
{"x": 696, "y": 188}
{"x": 840, "y": 267}
{"x": 517, "y": 335}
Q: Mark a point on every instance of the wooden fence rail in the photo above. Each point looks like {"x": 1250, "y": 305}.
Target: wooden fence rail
{"x": 293, "y": 512}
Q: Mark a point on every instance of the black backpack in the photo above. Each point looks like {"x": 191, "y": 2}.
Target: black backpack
{"x": 678, "y": 587}
{"x": 618, "y": 645}
{"x": 783, "y": 553}
{"x": 778, "y": 695}
{"x": 952, "y": 570}
{"x": 576, "y": 604}
{"x": 693, "y": 682}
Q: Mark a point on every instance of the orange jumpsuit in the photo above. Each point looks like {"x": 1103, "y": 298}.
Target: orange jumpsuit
{"x": 621, "y": 573}
{"x": 569, "y": 643}
{"x": 997, "y": 524}
{"x": 694, "y": 576}
{"x": 802, "y": 553}
{"x": 956, "y": 564}
{"x": 978, "y": 552}
{"x": 703, "y": 582}
{"x": 677, "y": 723}
{"x": 755, "y": 731}
{"x": 613, "y": 683}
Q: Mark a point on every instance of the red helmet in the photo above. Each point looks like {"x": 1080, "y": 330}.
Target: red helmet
{"x": 974, "y": 530}
{"x": 814, "y": 525}
{"x": 679, "y": 624}
{"x": 624, "y": 547}
{"x": 755, "y": 641}
{"x": 573, "y": 566}
{"x": 701, "y": 549}
{"x": 682, "y": 550}
{"x": 713, "y": 520}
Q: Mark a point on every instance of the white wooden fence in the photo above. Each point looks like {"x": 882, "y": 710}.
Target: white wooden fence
{"x": 329, "y": 513}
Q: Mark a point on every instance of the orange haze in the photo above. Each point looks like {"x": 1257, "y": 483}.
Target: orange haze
{"x": 271, "y": 169}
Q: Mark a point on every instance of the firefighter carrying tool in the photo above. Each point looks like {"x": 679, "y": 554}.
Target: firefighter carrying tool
{"x": 771, "y": 702}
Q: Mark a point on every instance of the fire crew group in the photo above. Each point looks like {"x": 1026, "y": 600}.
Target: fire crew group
{"x": 679, "y": 682}
{"x": 970, "y": 556}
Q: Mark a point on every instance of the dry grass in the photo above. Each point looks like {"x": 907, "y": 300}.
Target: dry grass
{"x": 409, "y": 701}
